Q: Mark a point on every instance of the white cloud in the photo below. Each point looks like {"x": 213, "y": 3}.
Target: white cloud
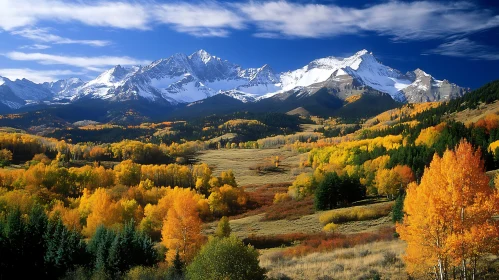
{"x": 90, "y": 63}
{"x": 467, "y": 49}
{"x": 399, "y": 20}
{"x": 37, "y": 76}
{"x": 20, "y": 13}
{"x": 202, "y": 20}
{"x": 43, "y": 35}
{"x": 35, "y": 47}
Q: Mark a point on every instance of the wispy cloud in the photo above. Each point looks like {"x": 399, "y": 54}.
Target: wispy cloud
{"x": 37, "y": 76}
{"x": 200, "y": 19}
{"x": 35, "y": 47}
{"x": 90, "y": 63}
{"x": 205, "y": 20}
{"x": 467, "y": 49}
{"x": 20, "y": 13}
{"x": 399, "y": 20}
{"x": 44, "y": 36}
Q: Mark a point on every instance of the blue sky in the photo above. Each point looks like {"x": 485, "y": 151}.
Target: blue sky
{"x": 44, "y": 40}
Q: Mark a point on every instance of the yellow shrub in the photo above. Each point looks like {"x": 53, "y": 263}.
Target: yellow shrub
{"x": 331, "y": 227}
{"x": 281, "y": 197}
{"x": 358, "y": 213}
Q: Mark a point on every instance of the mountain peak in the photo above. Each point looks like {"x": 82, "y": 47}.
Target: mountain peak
{"x": 266, "y": 67}
{"x": 362, "y": 52}
{"x": 420, "y": 72}
{"x": 181, "y": 78}
{"x": 202, "y": 55}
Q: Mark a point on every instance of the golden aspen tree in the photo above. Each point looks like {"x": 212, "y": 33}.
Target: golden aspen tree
{"x": 181, "y": 231}
{"x": 387, "y": 182}
{"x": 428, "y": 136}
{"x": 448, "y": 224}
{"x": 103, "y": 211}
{"x": 128, "y": 173}
{"x": 70, "y": 217}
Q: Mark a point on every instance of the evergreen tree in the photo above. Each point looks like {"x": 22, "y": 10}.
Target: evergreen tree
{"x": 326, "y": 194}
{"x": 35, "y": 244}
{"x": 99, "y": 246}
{"x": 398, "y": 209}
{"x": 334, "y": 191}
{"x": 115, "y": 253}
{"x": 177, "y": 271}
{"x": 65, "y": 249}
{"x": 14, "y": 234}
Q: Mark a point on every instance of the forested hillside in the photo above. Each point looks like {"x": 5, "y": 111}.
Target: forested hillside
{"x": 257, "y": 196}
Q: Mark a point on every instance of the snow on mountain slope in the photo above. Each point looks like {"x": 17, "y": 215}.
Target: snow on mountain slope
{"x": 184, "y": 79}
{"x": 320, "y": 70}
{"x": 362, "y": 66}
{"x": 64, "y": 89}
{"x": 26, "y": 90}
{"x": 425, "y": 88}
{"x": 380, "y": 77}
{"x": 105, "y": 84}
{"x": 180, "y": 79}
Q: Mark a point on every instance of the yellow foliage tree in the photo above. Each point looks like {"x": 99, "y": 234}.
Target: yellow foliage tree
{"x": 128, "y": 173}
{"x": 228, "y": 178}
{"x": 428, "y": 136}
{"x": 70, "y": 217}
{"x": 301, "y": 187}
{"x": 388, "y": 182}
{"x": 102, "y": 211}
{"x": 448, "y": 224}
{"x": 181, "y": 231}
{"x": 227, "y": 200}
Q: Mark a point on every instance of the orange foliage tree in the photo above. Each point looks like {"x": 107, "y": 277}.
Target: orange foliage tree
{"x": 489, "y": 122}
{"x": 448, "y": 224}
{"x": 390, "y": 181}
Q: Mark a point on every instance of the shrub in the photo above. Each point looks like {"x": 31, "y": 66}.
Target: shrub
{"x": 328, "y": 242}
{"x": 371, "y": 275}
{"x": 273, "y": 241}
{"x": 226, "y": 258}
{"x": 358, "y": 213}
{"x": 302, "y": 186}
{"x": 223, "y": 228}
{"x": 331, "y": 227}
{"x": 5, "y": 157}
{"x": 389, "y": 258}
{"x": 293, "y": 209}
{"x": 148, "y": 273}
{"x": 281, "y": 197}
{"x": 282, "y": 276}
{"x": 265, "y": 167}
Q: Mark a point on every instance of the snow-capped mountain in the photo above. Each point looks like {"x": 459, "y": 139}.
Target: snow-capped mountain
{"x": 64, "y": 89}
{"x": 185, "y": 79}
{"x": 18, "y": 93}
{"x": 179, "y": 79}
{"x": 425, "y": 88}
{"x": 366, "y": 70}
